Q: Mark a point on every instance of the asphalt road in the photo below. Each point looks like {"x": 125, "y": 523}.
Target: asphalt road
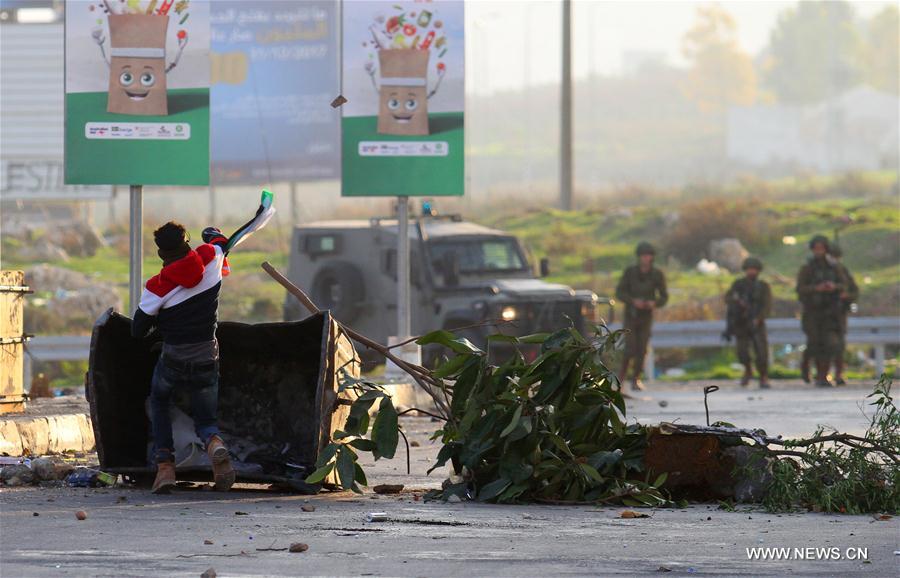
{"x": 129, "y": 532}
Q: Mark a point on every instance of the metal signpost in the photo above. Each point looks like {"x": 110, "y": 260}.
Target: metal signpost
{"x": 402, "y": 123}
{"x": 122, "y": 128}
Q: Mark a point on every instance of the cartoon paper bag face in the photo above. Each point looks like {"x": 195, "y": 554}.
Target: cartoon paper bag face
{"x": 403, "y": 106}
{"x": 137, "y": 69}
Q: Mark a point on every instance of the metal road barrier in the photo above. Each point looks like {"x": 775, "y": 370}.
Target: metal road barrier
{"x": 877, "y": 332}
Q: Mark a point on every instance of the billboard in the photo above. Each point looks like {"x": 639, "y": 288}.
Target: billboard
{"x": 275, "y": 69}
{"x": 403, "y": 78}
{"x": 137, "y": 92}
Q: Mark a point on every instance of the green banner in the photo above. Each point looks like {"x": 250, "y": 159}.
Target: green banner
{"x": 403, "y": 78}
{"x": 137, "y": 94}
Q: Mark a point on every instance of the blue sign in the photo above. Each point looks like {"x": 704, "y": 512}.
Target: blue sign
{"x": 274, "y": 72}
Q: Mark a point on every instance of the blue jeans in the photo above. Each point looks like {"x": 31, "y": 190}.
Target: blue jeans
{"x": 202, "y": 382}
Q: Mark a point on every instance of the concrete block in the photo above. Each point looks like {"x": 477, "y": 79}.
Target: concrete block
{"x": 10, "y": 441}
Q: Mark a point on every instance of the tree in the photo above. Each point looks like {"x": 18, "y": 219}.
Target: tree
{"x": 721, "y": 73}
{"x": 880, "y": 63}
{"x": 814, "y": 52}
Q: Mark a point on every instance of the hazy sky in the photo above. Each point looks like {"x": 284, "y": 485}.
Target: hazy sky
{"x": 512, "y": 43}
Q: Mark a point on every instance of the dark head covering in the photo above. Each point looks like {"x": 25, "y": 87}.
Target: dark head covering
{"x": 819, "y": 239}
{"x": 645, "y": 248}
{"x": 752, "y": 263}
{"x": 172, "y": 242}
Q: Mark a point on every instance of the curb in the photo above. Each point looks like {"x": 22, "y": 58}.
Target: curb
{"x": 40, "y": 435}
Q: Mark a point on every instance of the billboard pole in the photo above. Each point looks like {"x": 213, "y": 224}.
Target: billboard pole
{"x": 403, "y": 322}
{"x": 565, "y": 120}
{"x": 135, "y": 261}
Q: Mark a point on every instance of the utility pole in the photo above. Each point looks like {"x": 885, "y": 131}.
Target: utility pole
{"x": 565, "y": 106}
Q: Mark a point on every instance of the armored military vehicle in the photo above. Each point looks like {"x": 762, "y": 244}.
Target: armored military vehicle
{"x": 463, "y": 276}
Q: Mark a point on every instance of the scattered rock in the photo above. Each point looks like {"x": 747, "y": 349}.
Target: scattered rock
{"x": 663, "y": 569}
{"x": 121, "y": 499}
{"x": 208, "y": 542}
{"x": 210, "y": 573}
{"x": 81, "y": 515}
{"x": 632, "y": 514}
{"x": 388, "y": 488}
{"x": 882, "y": 517}
{"x": 728, "y": 253}
{"x": 239, "y": 513}
{"x": 35, "y": 514}
{"x": 308, "y": 508}
{"x": 298, "y": 547}
{"x": 17, "y": 475}
{"x": 48, "y": 470}
{"x": 663, "y": 403}
{"x": 414, "y": 444}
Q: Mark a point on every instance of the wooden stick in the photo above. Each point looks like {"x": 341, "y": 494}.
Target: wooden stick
{"x": 421, "y": 375}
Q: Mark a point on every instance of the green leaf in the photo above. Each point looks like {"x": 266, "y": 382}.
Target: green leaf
{"x": 363, "y": 445}
{"x": 605, "y": 459}
{"x": 661, "y": 479}
{"x": 451, "y": 366}
{"x": 591, "y": 472}
{"x": 385, "y": 432}
{"x": 450, "y": 341}
{"x": 320, "y": 474}
{"x": 534, "y": 338}
{"x": 560, "y": 443}
{"x": 493, "y": 489}
{"x": 359, "y": 475}
{"x": 327, "y": 454}
{"x": 346, "y": 468}
{"x": 513, "y": 423}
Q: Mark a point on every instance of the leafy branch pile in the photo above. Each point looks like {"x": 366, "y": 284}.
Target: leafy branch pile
{"x": 841, "y": 472}
{"x": 552, "y": 429}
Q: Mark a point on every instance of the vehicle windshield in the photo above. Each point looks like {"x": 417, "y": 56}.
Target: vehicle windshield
{"x": 478, "y": 255}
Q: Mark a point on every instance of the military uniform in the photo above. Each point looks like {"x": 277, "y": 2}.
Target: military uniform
{"x": 649, "y": 286}
{"x": 823, "y": 317}
{"x": 753, "y": 300}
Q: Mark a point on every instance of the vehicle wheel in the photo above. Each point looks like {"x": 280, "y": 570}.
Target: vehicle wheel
{"x": 339, "y": 287}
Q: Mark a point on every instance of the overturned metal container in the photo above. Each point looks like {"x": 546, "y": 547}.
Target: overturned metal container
{"x": 278, "y": 397}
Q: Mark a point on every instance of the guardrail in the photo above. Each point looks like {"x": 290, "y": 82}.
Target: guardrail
{"x": 875, "y": 331}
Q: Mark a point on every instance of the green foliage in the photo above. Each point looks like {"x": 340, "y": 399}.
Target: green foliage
{"x": 340, "y": 456}
{"x": 549, "y": 430}
{"x": 850, "y": 477}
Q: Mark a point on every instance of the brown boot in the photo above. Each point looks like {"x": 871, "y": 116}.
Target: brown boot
{"x": 223, "y": 473}
{"x": 165, "y": 478}
{"x": 804, "y": 368}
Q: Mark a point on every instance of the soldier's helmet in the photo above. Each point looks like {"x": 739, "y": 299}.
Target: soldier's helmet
{"x": 836, "y": 251}
{"x": 752, "y": 263}
{"x": 819, "y": 239}
{"x": 645, "y": 248}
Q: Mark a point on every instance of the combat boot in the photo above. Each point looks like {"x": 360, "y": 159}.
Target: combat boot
{"x": 822, "y": 374}
{"x": 839, "y": 371}
{"x": 165, "y": 478}
{"x": 764, "y": 380}
{"x": 748, "y": 375}
{"x": 223, "y": 473}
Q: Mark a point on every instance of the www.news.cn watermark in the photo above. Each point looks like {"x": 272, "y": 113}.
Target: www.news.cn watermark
{"x": 809, "y": 553}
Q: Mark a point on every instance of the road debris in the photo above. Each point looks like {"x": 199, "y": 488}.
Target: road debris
{"x": 81, "y": 515}
{"x": 298, "y": 547}
{"x": 376, "y": 517}
{"x": 239, "y": 513}
{"x": 308, "y": 508}
{"x": 414, "y": 444}
{"x": 338, "y": 101}
{"x": 633, "y": 514}
{"x": 207, "y": 542}
{"x": 388, "y": 488}
{"x": 90, "y": 478}
{"x": 210, "y": 573}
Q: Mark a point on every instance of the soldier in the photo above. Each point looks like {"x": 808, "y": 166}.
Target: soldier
{"x": 820, "y": 283}
{"x": 642, "y": 289}
{"x": 848, "y": 297}
{"x": 749, "y": 302}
